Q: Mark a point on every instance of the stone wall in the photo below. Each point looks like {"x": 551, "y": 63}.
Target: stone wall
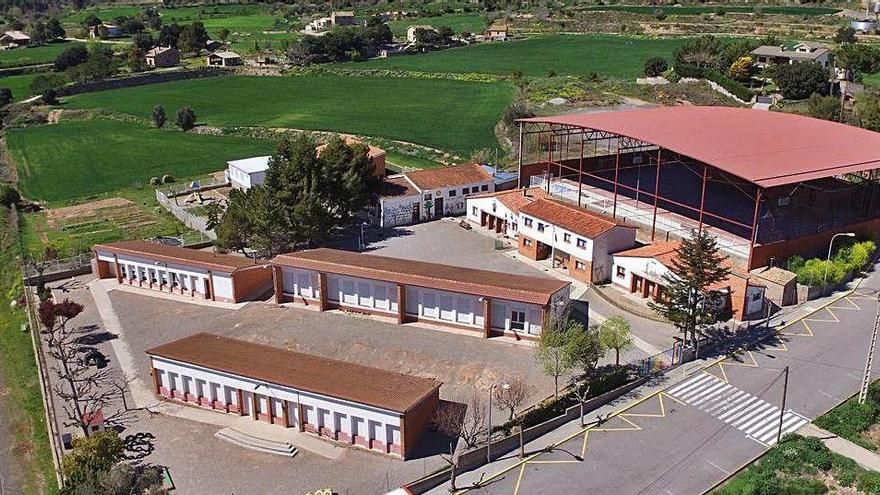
{"x": 137, "y": 80}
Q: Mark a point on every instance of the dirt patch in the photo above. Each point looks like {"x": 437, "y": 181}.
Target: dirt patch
{"x": 85, "y": 209}
{"x": 54, "y": 116}
{"x": 872, "y": 434}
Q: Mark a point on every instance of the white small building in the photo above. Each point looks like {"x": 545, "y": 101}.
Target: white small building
{"x": 575, "y": 239}
{"x": 14, "y": 39}
{"x": 411, "y": 31}
{"x": 497, "y": 32}
{"x": 247, "y": 172}
{"x": 428, "y": 194}
{"x": 186, "y": 272}
{"x": 805, "y": 51}
{"x": 223, "y": 59}
{"x": 499, "y": 211}
{"x": 339, "y": 401}
{"x": 490, "y": 303}
{"x": 319, "y": 25}
{"x": 642, "y": 271}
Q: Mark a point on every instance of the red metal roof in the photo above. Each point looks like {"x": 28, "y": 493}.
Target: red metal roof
{"x": 766, "y": 148}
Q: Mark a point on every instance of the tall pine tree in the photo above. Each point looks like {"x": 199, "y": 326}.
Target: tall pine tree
{"x": 687, "y": 299}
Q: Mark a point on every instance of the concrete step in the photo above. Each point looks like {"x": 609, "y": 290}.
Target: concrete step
{"x": 254, "y": 443}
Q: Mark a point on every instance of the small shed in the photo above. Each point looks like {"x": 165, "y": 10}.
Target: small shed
{"x": 162, "y": 56}
{"x": 14, "y": 39}
{"x": 224, "y": 59}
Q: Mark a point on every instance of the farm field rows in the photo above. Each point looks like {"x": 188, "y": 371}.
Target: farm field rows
{"x": 20, "y": 85}
{"x": 451, "y": 115}
{"x": 81, "y": 158}
{"x": 698, "y": 10}
{"x": 608, "y": 55}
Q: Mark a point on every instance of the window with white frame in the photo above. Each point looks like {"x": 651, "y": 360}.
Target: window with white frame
{"x": 540, "y": 227}
{"x": 484, "y": 187}
{"x": 474, "y": 210}
{"x": 579, "y": 265}
{"x": 566, "y": 237}
{"x": 527, "y": 242}
{"x": 621, "y": 272}
{"x": 581, "y": 243}
{"x": 517, "y": 320}
{"x": 527, "y": 221}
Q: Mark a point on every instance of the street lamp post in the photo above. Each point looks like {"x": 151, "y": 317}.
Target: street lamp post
{"x": 828, "y": 258}
{"x": 504, "y": 386}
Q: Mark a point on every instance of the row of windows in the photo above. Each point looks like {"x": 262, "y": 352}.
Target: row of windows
{"x": 465, "y": 191}
{"x": 566, "y": 237}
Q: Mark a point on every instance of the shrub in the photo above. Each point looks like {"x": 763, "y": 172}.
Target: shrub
{"x": 5, "y": 96}
{"x": 686, "y": 70}
{"x": 849, "y": 419}
{"x": 9, "y": 195}
{"x": 659, "y": 14}
{"x": 186, "y": 118}
{"x": 801, "y": 486}
{"x": 799, "y": 80}
{"x": 735, "y": 88}
{"x": 517, "y": 110}
{"x": 655, "y": 66}
{"x": 671, "y": 76}
{"x": 50, "y": 97}
{"x": 167, "y": 179}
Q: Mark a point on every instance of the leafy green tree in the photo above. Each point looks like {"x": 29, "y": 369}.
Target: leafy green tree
{"x": 54, "y": 30}
{"x": 193, "y": 37}
{"x": 70, "y": 57}
{"x": 867, "y": 111}
{"x": 50, "y": 97}
{"x": 799, "y": 80}
{"x": 223, "y": 34}
{"x": 615, "y": 333}
{"x": 158, "y": 116}
{"x": 169, "y": 35}
{"x": 584, "y": 347}
{"x": 553, "y": 352}
{"x": 100, "y": 64}
{"x": 136, "y": 60}
{"x": 186, "y": 118}
{"x": 5, "y": 96}
{"x": 824, "y": 107}
{"x": 859, "y": 58}
{"x": 252, "y": 220}
{"x": 704, "y": 51}
{"x": 91, "y": 457}
{"x": 688, "y": 301}
{"x": 845, "y": 34}
{"x": 9, "y": 195}
{"x": 144, "y": 41}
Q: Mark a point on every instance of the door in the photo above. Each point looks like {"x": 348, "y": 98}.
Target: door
{"x": 415, "y": 213}
{"x": 207, "y": 288}
{"x": 438, "y": 207}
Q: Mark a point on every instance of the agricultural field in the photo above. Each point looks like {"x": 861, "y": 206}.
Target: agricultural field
{"x": 471, "y": 23}
{"x": 871, "y": 79}
{"x": 82, "y": 158}
{"x": 698, "y": 9}
{"x": 399, "y": 162}
{"x": 607, "y": 55}
{"x": 455, "y": 116}
{"x": 20, "y": 85}
{"x": 42, "y": 54}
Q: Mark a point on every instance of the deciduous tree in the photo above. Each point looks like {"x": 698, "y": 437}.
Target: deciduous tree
{"x": 511, "y": 393}
{"x": 799, "y": 80}
{"x": 614, "y": 333}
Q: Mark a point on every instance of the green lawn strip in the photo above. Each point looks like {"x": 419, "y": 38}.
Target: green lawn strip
{"x": 608, "y": 55}
{"x": 472, "y": 23}
{"x": 20, "y": 85}
{"x": 850, "y": 419}
{"x": 698, "y": 10}
{"x": 169, "y": 14}
{"x": 452, "y": 115}
{"x": 41, "y": 54}
{"x": 90, "y": 157}
{"x": 798, "y": 466}
{"x": 871, "y": 79}
{"x": 25, "y": 404}
{"x": 399, "y": 161}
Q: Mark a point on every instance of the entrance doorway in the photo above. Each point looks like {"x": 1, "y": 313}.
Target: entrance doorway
{"x": 438, "y": 207}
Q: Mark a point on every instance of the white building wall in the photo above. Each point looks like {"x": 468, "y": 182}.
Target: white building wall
{"x": 184, "y": 276}
{"x": 397, "y": 211}
{"x": 300, "y": 283}
{"x": 454, "y": 198}
{"x": 612, "y": 241}
{"x": 362, "y": 293}
{"x": 493, "y": 207}
{"x": 350, "y": 417}
{"x": 637, "y": 265}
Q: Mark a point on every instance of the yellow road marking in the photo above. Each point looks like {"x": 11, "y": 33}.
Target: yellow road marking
{"x": 833, "y": 316}
{"x": 519, "y": 479}
{"x": 806, "y": 326}
{"x": 852, "y": 306}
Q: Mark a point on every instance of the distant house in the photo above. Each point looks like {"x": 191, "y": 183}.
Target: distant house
{"x": 343, "y": 18}
{"x": 250, "y": 172}
{"x": 318, "y": 25}
{"x": 497, "y": 32}
{"x": 105, "y": 30}
{"x": 14, "y": 39}
{"x": 163, "y": 56}
{"x": 805, "y": 51}
{"x": 424, "y": 195}
{"x": 213, "y": 45}
{"x": 224, "y": 59}
{"x": 411, "y": 31}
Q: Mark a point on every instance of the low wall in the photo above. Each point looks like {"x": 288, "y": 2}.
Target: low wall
{"x": 473, "y": 459}
{"x": 137, "y": 80}
{"x": 192, "y": 221}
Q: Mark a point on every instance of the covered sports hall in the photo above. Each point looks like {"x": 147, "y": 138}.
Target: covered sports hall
{"x": 768, "y": 185}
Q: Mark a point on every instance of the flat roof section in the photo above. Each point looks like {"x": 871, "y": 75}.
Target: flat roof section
{"x": 570, "y": 217}
{"x": 174, "y": 254}
{"x": 766, "y": 148}
{"x": 305, "y": 372}
{"x": 484, "y": 283}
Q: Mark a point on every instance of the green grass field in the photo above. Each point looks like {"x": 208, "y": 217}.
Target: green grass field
{"x": 472, "y": 23}
{"x": 42, "y": 54}
{"x": 871, "y": 79}
{"x": 90, "y": 157}
{"x": 698, "y": 10}
{"x": 397, "y": 162}
{"x": 451, "y": 115}
{"x": 607, "y": 55}
{"x": 169, "y": 14}
{"x": 20, "y": 85}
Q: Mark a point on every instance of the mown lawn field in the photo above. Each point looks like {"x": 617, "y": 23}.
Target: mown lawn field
{"x": 698, "y": 9}
{"x": 78, "y": 159}
{"x": 41, "y": 54}
{"x": 451, "y": 115}
{"x": 472, "y": 23}
{"x": 607, "y": 55}
{"x": 20, "y": 85}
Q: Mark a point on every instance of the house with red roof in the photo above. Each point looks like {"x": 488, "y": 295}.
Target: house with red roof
{"x": 499, "y": 211}
{"x": 643, "y": 271}
{"x": 575, "y": 239}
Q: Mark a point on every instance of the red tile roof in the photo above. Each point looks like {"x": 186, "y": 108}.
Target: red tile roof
{"x": 397, "y": 187}
{"x": 570, "y": 217}
{"x": 666, "y": 252}
{"x": 650, "y": 250}
{"x": 514, "y": 199}
{"x": 306, "y": 372}
{"x": 484, "y": 283}
{"x": 173, "y": 254}
{"x": 459, "y": 175}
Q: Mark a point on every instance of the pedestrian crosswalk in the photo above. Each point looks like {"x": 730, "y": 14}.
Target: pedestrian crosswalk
{"x": 757, "y": 418}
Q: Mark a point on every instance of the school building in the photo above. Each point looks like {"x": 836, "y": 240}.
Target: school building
{"x": 487, "y": 302}
{"x": 183, "y": 271}
{"x": 499, "y": 211}
{"x": 343, "y": 402}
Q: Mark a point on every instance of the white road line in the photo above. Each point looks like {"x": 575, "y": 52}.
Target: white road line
{"x": 695, "y": 398}
{"x": 681, "y": 387}
{"x": 712, "y": 397}
{"x": 728, "y": 401}
{"x": 760, "y": 408}
{"x": 760, "y": 418}
{"x": 716, "y": 466}
{"x": 741, "y": 405}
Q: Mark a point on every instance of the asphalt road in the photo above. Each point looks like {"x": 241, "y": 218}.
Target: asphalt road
{"x": 698, "y": 430}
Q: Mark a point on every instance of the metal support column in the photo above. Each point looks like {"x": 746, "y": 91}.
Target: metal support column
{"x": 703, "y": 198}
{"x": 656, "y": 195}
{"x": 754, "y": 236}
{"x": 616, "y": 178}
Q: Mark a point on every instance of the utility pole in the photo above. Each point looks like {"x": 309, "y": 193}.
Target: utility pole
{"x": 782, "y": 409}
{"x": 866, "y": 378}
